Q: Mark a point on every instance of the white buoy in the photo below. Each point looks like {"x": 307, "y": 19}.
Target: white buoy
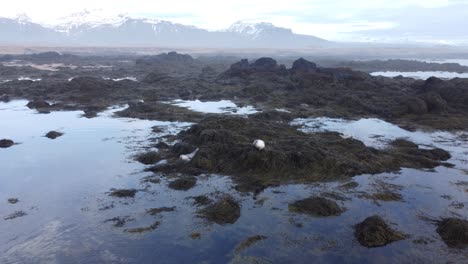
{"x": 259, "y": 144}
{"x": 188, "y": 157}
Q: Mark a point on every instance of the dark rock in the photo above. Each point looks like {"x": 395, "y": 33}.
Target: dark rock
{"x": 302, "y": 65}
{"x": 454, "y": 232}
{"x": 182, "y": 148}
{"x": 225, "y": 211}
{"x": 264, "y": 64}
{"x": 155, "y": 77}
{"x": 53, "y": 134}
{"x": 162, "y": 145}
{"x": 416, "y": 106}
{"x": 6, "y": 143}
{"x": 4, "y": 98}
{"x": 316, "y": 206}
{"x": 435, "y": 103}
{"x": 374, "y": 232}
{"x": 37, "y": 104}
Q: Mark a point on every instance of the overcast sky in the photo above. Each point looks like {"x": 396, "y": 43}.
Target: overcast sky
{"x": 441, "y": 20}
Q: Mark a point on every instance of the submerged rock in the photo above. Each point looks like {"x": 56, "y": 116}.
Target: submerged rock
{"x": 201, "y": 200}
{"x": 53, "y": 134}
{"x": 156, "y": 211}
{"x": 454, "y": 232}
{"x": 249, "y": 242}
{"x": 13, "y": 200}
{"x": 225, "y": 211}
{"x": 316, "y": 206}
{"x": 15, "y": 215}
{"x": 123, "y": 193}
{"x": 143, "y": 229}
{"x": 6, "y": 143}
{"x": 375, "y": 232}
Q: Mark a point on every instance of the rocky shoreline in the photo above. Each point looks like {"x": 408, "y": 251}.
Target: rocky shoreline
{"x": 222, "y": 143}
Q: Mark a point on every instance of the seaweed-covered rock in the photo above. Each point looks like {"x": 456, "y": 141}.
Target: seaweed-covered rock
{"x": 316, "y": 206}
{"x": 454, "y": 232}
{"x": 225, "y": 146}
{"x": 375, "y": 232}
{"x": 148, "y": 158}
{"x": 225, "y": 211}
{"x": 6, "y": 143}
{"x": 183, "y": 184}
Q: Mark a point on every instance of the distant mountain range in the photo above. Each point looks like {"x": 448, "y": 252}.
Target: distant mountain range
{"x": 85, "y": 28}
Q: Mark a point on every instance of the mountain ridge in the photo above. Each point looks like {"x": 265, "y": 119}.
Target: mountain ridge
{"x": 87, "y": 29}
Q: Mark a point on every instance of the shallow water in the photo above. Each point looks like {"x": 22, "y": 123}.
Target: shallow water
{"x": 422, "y": 75}
{"x": 219, "y": 107}
{"x": 62, "y": 185}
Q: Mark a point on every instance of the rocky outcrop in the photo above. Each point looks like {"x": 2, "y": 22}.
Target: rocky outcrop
{"x": 375, "y": 232}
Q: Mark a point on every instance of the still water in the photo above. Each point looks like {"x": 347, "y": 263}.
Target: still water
{"x": 63, "y": 184}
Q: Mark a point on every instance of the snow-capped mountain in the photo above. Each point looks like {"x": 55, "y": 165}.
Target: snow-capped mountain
{"x": 256, "y": 30}
{"x": 105, "y": 29}
{"x": 21, "y": 30}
